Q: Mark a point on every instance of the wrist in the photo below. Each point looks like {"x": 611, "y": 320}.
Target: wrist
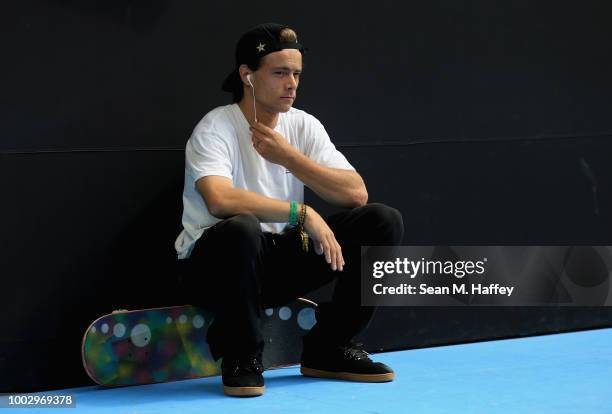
{"x": 292, "y": 158}
{"x": 310, "y": 212}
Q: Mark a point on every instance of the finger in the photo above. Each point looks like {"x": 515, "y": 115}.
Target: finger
{"x": 326, "y": 250}
{"x": 340, "y": 258}
{"x": 338, "y": 255}
{"x": 318, "y": 248}
{"x": 333, "y": 252}
{"x": 260, "y": 127}
{"x": 257, "y": 134}
{"x": 332, "y": 257}
{"x": 259, "y": 139}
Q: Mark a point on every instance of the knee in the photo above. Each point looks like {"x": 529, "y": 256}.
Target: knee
{"x": 386, "y": 220}
{"x": 384, "y": 214}
{"x": 242, "y": 228}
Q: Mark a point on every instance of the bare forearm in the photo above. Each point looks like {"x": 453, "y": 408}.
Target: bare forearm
{"x": 238, "y": 201}
{"x": 336, "y": 186}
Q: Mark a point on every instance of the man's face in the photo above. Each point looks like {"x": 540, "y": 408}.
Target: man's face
{"x": 276, "y": 81}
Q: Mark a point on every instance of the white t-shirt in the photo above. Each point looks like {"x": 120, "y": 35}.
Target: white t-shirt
{"x": 221, "y": 145}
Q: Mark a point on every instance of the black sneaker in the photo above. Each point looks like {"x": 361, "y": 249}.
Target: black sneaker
{"x": 242, "y": 377}
{"x": 348, "y": 362}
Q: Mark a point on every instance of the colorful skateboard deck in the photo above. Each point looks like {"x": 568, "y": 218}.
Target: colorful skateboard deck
{"x": 168, "y": 344}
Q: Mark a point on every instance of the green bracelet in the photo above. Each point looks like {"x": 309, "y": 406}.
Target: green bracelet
{"x": 293, "y": 217}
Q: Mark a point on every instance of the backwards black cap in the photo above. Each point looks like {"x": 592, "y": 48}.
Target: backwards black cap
{"x": 256, "y": 43}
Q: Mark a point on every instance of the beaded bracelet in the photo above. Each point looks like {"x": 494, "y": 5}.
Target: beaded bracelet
{"x": 303, "y": 234}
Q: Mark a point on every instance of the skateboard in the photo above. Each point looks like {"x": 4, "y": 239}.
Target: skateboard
{"x": 168, "y": 344}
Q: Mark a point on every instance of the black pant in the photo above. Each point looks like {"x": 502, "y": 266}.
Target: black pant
{"x": 236, "y": 271}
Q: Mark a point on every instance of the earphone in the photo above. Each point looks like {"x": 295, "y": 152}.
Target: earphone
{"x": 252, "y": 90}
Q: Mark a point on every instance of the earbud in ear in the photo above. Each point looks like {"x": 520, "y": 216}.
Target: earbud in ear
{"x": 248, "y": 76}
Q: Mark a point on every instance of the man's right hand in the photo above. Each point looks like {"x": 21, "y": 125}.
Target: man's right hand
{"x": 323, "y": 239}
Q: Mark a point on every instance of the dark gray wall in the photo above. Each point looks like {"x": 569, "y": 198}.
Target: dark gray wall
{"x": 135, "y": 73}
{"x": 483, "y": 122}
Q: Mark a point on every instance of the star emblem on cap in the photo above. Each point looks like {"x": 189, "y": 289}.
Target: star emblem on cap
{"x": 261, "y": 47}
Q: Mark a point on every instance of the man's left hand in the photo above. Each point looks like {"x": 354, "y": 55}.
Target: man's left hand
{"x": 270, "y": 144}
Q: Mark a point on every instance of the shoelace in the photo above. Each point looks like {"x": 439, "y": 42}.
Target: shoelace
{"x": 355, "y": 351}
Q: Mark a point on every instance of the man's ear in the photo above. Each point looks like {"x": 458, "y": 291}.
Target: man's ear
{"x": 244, "y": 71}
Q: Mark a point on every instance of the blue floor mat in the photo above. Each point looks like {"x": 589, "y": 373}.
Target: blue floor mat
{"x": 560, "y": 373}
